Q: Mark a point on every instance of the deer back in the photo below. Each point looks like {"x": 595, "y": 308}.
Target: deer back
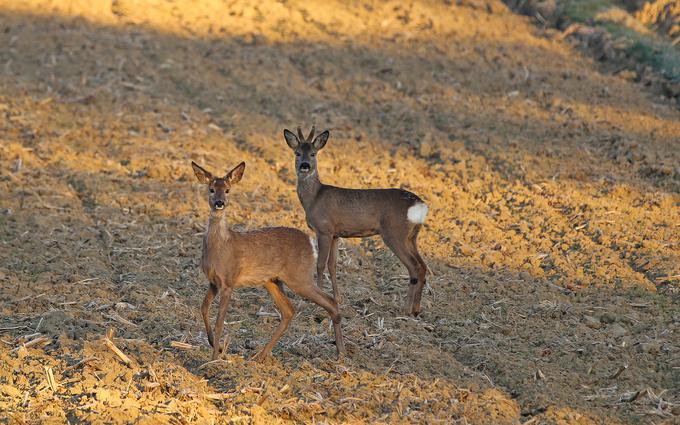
{"x": 358, "y": 212}
{"x": 253, "y": 257}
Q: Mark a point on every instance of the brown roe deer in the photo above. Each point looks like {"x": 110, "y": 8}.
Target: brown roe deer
{"x": 335, "y": 212}
{"x": 268, "y": 256}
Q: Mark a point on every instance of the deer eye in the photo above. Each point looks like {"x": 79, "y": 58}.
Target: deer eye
{"x": 297, "y": 153}
{"x": 312, "y": 154}
{"x": 212, "y": 190}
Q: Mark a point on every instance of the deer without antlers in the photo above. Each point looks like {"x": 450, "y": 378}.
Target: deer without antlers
{"x": 268, "y": 256}
{"x": 335, "y": 212}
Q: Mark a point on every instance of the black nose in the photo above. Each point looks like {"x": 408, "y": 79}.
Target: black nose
{"x": 219, "y": 204}
{"x": 304, "y": 166}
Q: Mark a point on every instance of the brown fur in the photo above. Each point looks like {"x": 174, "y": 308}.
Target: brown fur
{"x": 269, "y": 257}
{"x": 334, "y": 212}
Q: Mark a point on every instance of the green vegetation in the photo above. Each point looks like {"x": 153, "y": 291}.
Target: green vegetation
{"x": 584, "y": 10}
{"x": 662, "y": 57}
{"x": 645, "y": 48}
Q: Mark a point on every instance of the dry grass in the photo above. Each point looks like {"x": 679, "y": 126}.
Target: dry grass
{"x": 553, "y": 234}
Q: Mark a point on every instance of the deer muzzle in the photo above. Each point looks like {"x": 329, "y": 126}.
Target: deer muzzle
{"x": 305, "y": 167}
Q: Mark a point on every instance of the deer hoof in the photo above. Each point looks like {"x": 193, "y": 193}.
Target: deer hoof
{"x": 216, "y": 352}
{"x": 212, "y": 347}
{"x": 260, "y": 357}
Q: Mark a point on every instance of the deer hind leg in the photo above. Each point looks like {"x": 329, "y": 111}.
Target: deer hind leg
{"x": 398, "y": 243}
{"x": 287, "y": 311}
{"x": 422, "y": 272}
{"x": 205, "y": 308}
{"x": 225, "y": 296}
{"x": 308, "y": 290}
{"x": 332, "y": 267}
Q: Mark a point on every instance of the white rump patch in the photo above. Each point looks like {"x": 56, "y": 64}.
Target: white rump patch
{"x": 315, "y": 249}
{"x": 417, "y": 213}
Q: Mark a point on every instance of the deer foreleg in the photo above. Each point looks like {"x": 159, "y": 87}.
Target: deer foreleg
{"x": 324, "y": 241}
{"x": 205, "y": 308}
{"x": 225, "y": 296}
{"x": 332, "y": 266}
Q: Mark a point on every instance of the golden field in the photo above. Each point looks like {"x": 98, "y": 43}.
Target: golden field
{"x": 553, "y": 235}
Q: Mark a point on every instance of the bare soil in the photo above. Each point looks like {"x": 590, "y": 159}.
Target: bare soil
{"x": 553, "y": 235}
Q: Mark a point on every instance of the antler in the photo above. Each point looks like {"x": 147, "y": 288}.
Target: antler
{"x": 307, "y": 139}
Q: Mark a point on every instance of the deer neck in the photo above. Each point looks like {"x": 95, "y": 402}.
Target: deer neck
{"x": 307, "y": 188}
{"x": 218, "y": 231}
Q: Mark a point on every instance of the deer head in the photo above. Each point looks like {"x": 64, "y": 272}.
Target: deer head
{"x": 305, "y": 150}
{"x": 218, "y": 187}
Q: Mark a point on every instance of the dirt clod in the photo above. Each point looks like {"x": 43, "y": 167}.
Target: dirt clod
{"x": 616, "y": 330}
{"x": 592, "y": 322}
{"x": 552, "y": 234}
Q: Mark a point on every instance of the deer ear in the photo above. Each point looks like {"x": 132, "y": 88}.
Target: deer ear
{"x": 235, "y": 175}
{"x": 291, "y": 139}
{"x": 202, "y": 175}
{"x": 320, "y": 140}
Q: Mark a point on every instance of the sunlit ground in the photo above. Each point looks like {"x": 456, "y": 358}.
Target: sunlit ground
{"x": 552, "y": 234}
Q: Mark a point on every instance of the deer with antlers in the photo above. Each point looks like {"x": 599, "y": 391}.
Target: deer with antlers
{"x": 271, "y": 257}
{"x": 334, "y": 212}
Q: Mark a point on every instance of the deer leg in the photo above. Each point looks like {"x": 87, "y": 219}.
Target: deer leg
{"x": 332, "y": 266}
{"x": 287, "y": 311}
{"x": 422, "y": 271}
{"x": 324, "y": 241}
{"x": 400, "y": 248}
{"x": 205, "y": 308}
{"x": 225, "y": 296}
{"x": 317, "y": 296}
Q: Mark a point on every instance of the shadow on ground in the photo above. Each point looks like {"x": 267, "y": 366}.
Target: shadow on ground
{"x": 553, "y": 194}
